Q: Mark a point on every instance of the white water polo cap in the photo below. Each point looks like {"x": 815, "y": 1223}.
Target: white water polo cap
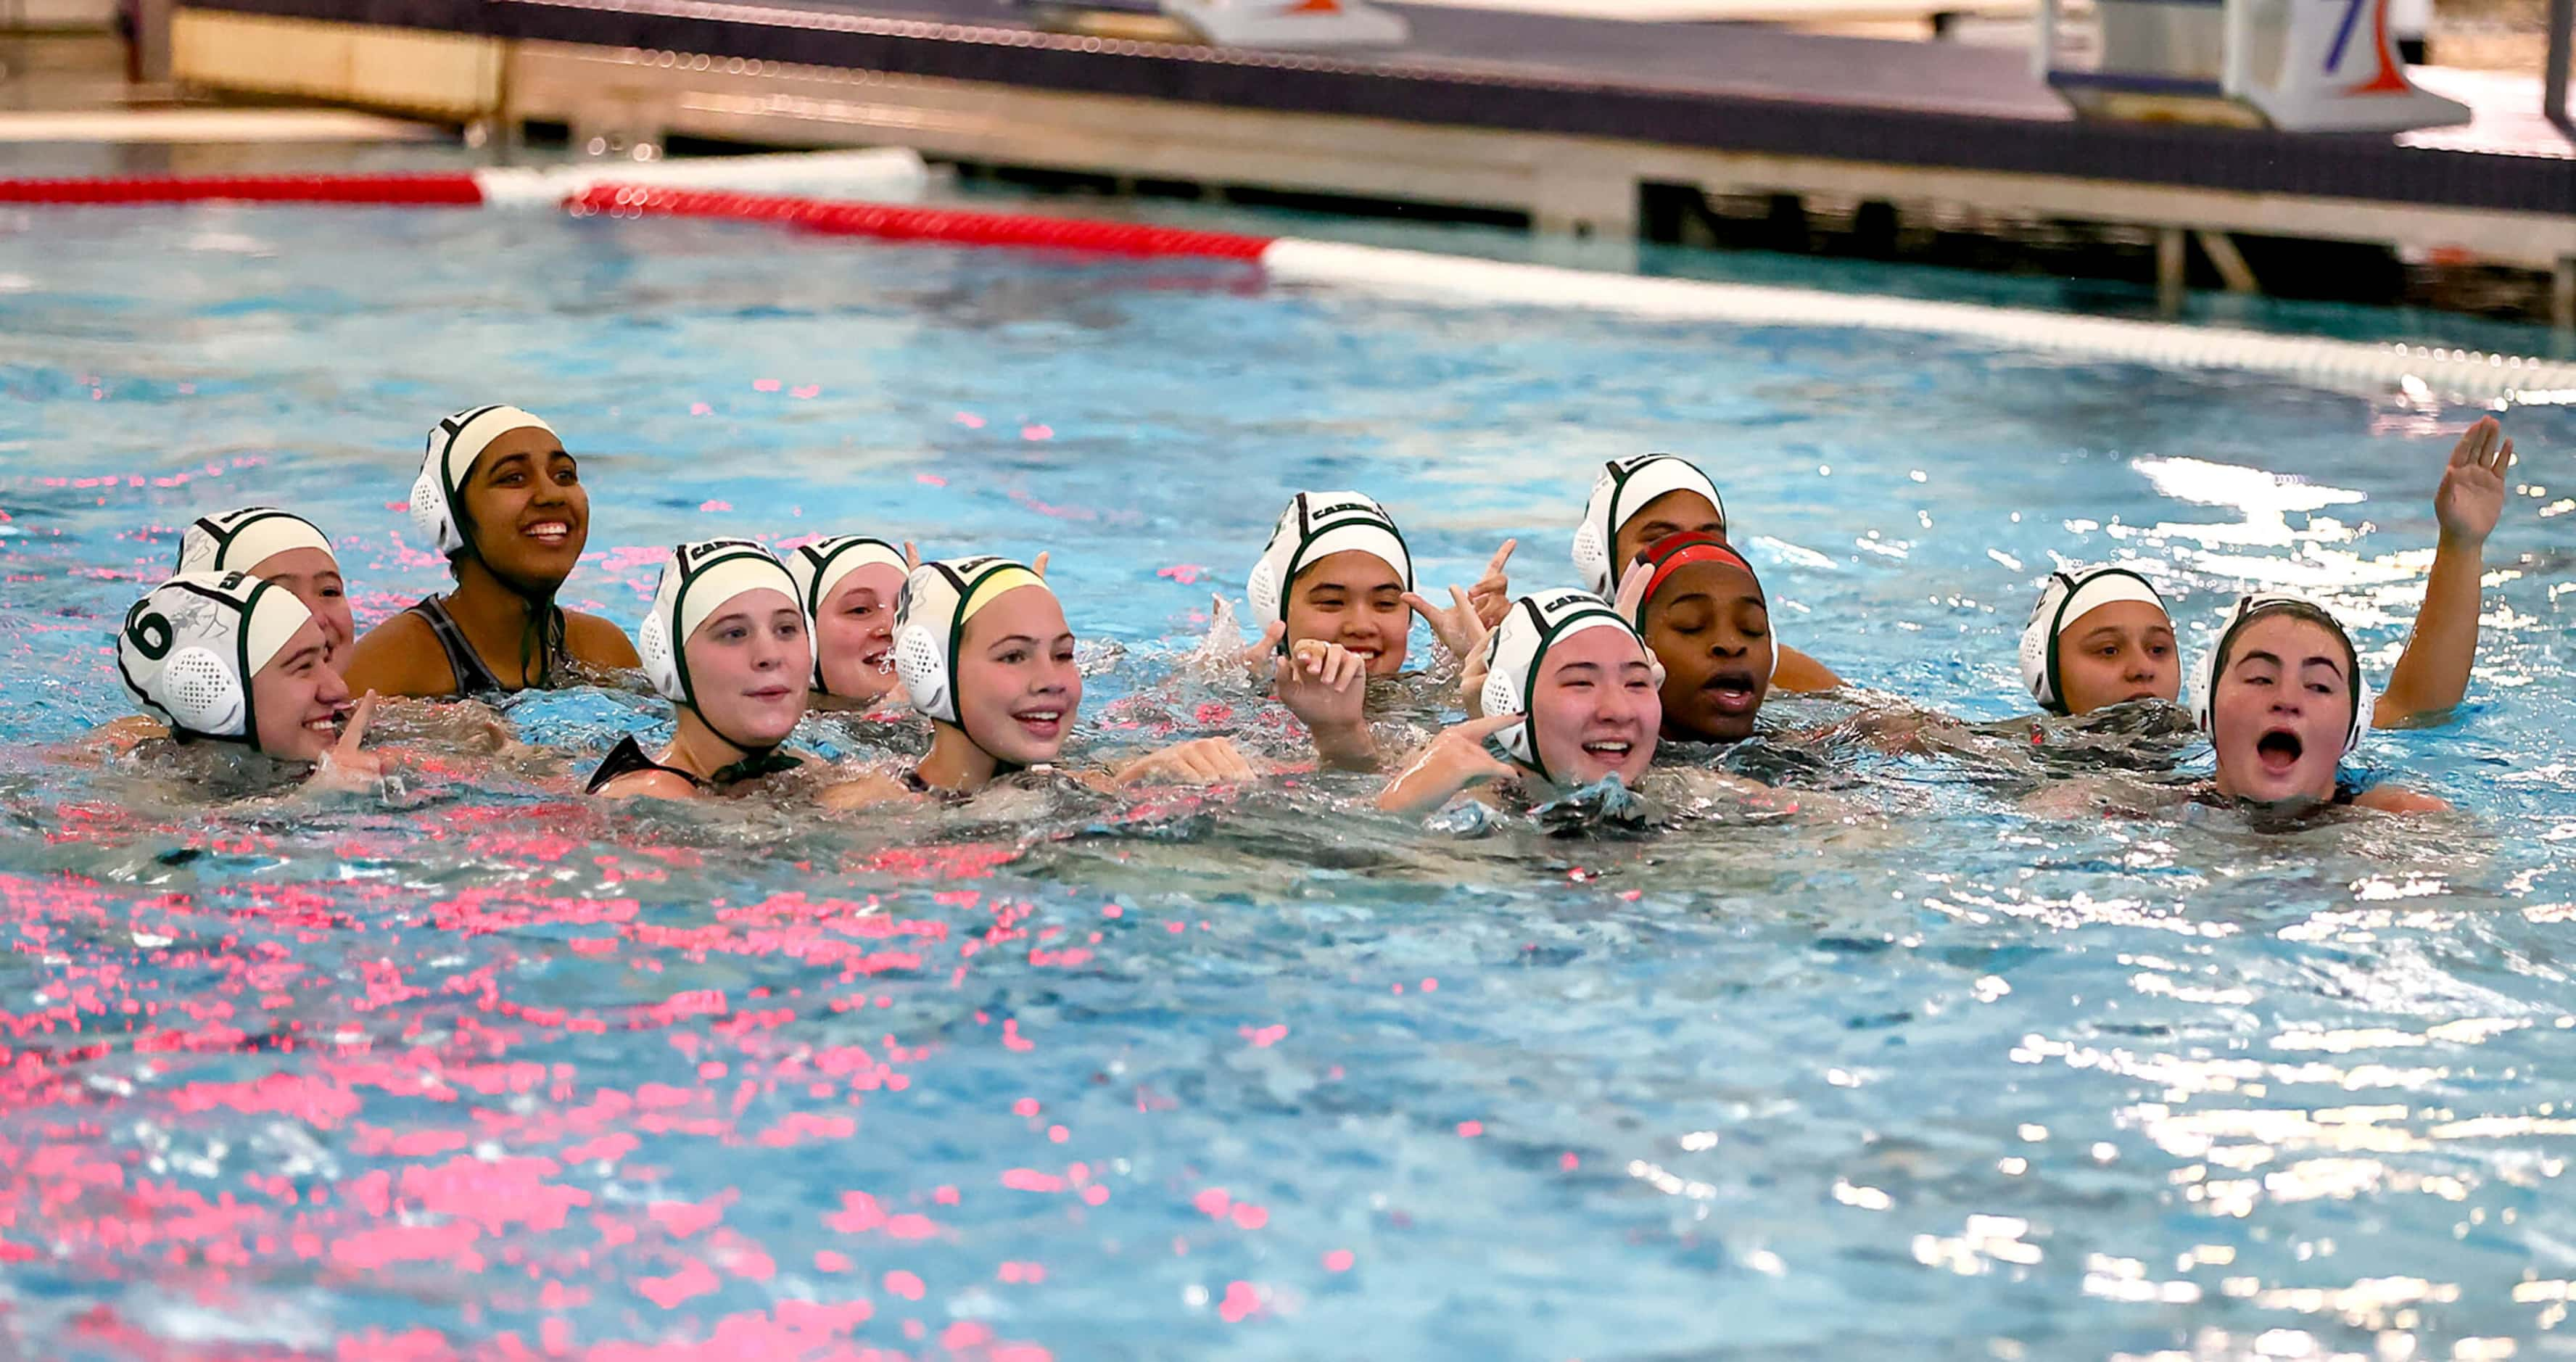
{"x": 2204, "y": 677}
{"x": 698, "y": 579}
{"x": 239, "y": 540}
{"x": 930, "y": 621}
{"x": 2064, "y": 599}
{"x": 190, "y": 647}
{"x": 437, "y": 495}
{"x": 1317, "y": 525}
{"x": 820, "y": 567}
{"x": 1519, "y": 646}
{"x": 1623, "y": 489}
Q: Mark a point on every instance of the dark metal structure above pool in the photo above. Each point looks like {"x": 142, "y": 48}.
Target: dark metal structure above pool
{"x": 1564, "y": 119}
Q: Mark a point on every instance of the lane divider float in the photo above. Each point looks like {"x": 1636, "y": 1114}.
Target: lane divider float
{"x": 855, "y": 193}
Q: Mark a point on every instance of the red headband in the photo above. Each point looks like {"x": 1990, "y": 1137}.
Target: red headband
{"x": 1674, "y": 552}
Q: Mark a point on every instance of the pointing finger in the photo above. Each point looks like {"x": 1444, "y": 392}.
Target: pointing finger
{"x": 1502, "y": 555}
{"x": 355, "y": 730}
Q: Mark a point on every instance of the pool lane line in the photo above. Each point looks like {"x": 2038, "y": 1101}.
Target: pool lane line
{"x": 2449, "y": 371}
{"x": 947, "y": 226}
{"x": 879, "y": 175}
{"x": 1424, "y": 274}
{"x": 716, "y": 187}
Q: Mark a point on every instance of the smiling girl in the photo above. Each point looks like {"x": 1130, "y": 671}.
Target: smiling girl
{"x": 500, "y": 497}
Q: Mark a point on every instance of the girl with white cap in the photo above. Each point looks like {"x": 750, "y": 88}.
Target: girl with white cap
{"x": 502, "y": 500}
{"x": 1333, "y": 592}
{"x": 1569, "y": 698}
{"x": 728, "y": 644}
{"x": 982, "y": 648}
{"x": 2102, "y": 636}
{"x": 281, "y": 547}
{"x": 1638, "y": 501}
{"x": 848, "y": 585}
{"x": 274, "y": 546}
{"x": 230, "y": 658}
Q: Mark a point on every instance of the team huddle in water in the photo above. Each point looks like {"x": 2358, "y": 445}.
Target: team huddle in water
{"x": 1667, "y": 639}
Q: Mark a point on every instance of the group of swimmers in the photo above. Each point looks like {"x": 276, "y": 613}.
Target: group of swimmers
{"x": 1668, "y": 639}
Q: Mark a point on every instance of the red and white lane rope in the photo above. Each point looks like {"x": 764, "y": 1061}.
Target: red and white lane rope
{"x": 845, "y": 193}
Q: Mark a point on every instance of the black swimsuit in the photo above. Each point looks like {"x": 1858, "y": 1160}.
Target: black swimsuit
{"x": 472, "y": 677}
{"x": 627, "y": 758}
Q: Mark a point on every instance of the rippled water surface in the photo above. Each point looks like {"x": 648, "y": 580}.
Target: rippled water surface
{"x": 479, "y": 1069}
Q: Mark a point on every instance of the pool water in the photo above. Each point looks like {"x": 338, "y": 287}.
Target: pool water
{"x": 479, "y": 1069}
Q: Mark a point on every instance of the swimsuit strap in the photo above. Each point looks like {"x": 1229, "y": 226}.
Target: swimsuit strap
{"x": 627, "y": 758}
{"x": 472, "y": 676}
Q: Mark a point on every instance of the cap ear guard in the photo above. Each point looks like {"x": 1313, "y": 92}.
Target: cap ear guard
{"x": 2204, "y": 675}
{"x": 1592, "y": 558}
{"x": 2039, "y": 642}
{"x": 1264, "y": 592}
{"x": 661, "y": 660}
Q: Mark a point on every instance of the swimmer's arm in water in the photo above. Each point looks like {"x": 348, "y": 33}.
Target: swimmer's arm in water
{"x": 1799, "y": 673}
{"x": 1200, "y": 761}
{"x": 2433, "y": 673}
{"x": 866, "y": 791}
{"x": 114, "y": 739}
{"x": 401, "y": 657}
{"x": 598, "y": 642}
{"x": 1326, "y": 686}
{"x": 1455, "y": 761}
{"x": 2390, "y": 799}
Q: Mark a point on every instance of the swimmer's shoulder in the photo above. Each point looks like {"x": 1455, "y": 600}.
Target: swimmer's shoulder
{"x": 1799, "y": 673}
{"x": 2393, "y": 799}
{"x": 121, "y": 735}
{"x": 598, "y": 642}
{"x": 400, "y": 657}
{"x": 649, "y": 785}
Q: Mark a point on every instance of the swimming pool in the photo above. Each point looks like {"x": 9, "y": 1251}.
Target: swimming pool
{"x": 487, "y": 1071}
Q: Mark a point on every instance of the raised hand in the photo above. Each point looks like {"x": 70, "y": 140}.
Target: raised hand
{"x": 1492, "y": 593}
{"x": 911, "y": 558}
{"x": 1458, "y": 627}
{"x": 1258, "y": 657}
{"x": 1455, "y": 761}
{"x": 344, "y": 767}
{"x": 2471, "y": 497}
{"x": 1326, "y": 686}
{"x": 1039, "y": 567}
{"x": 1201, "y": 761}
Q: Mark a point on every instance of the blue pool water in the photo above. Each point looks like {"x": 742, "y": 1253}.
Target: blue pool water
{"x": 480, "y": 1070}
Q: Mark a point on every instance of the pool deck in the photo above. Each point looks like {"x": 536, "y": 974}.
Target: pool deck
{"x": 1562, "y": 118}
